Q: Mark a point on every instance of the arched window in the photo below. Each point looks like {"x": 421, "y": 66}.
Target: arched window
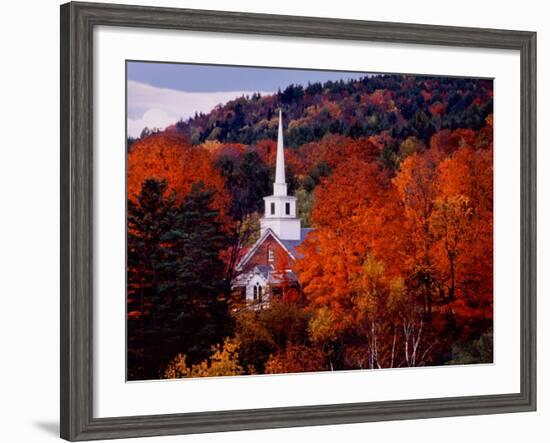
{"x": 259, "y": 294}
{"x": 255, "y": 292}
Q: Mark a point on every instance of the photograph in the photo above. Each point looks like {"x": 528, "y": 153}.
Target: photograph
{"x": 266, "y": 221}
{"x": 287, "y": 221}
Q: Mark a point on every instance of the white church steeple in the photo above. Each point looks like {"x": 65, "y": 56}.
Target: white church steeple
{"x": 279, "y": 187}
{"x": 280, "y": 208}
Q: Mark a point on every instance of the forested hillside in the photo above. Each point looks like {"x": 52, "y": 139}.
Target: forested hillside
{"x": 402, "y": 105}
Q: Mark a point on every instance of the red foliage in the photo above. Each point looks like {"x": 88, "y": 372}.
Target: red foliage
{"x": 448, "y": 142}
{"x": 334, "y": 149}
{"x": 437, "y": 108}
{"x": 170, "y": 157}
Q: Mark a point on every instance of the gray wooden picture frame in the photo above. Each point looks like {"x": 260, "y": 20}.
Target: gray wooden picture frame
{"x": 77, "y": 24}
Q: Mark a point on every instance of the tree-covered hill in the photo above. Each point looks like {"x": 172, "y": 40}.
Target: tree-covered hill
{"x": 402, "y": 105}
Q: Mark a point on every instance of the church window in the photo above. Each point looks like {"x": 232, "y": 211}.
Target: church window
{"x": 287, "y": 208}
{"x": 255, "y": 292}
{"x": 272, "y": 208}
{"x": 260, "y": 294}
{"x": 270, "y": 255}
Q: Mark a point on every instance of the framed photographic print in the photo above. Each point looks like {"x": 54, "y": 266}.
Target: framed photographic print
{"x": 272, "y": 221}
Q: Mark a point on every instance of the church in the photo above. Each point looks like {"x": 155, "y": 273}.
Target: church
{"x": 265, "y": 270}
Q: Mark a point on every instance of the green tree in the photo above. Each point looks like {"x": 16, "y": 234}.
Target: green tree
{"x": 193, "y": 287}
{"x": 148, "y": 221}
{"x": 305, "y": 205}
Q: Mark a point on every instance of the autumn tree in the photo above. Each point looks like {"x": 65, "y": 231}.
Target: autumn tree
{"x": 463, "y": 222}
{"x": 346, "y": 205}
{"x": 223, "y": 361}
{"x": 294, "y": 359}
{"x": 263, "y": 332}
{"x": 416, "y": 185}
{"x": 170, "y": 157}
{"x": 358, "y": 223}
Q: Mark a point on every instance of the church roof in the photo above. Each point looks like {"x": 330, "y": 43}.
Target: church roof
{"x": 264, "y": 270}
{"x": 291, "y": 245}
{"x": 244, "y": 279}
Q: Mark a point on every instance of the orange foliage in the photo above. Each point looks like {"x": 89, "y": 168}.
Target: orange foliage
{"x": 295, "y": 358}
{"x": 334, "y": 149}
{"x": 170, "y": 157}
{"x": 353, "y": 216}
{"x": 466, "y": 205}
{"x": 217, "y": 149}
{"x": 431, "y": 222}
{"x": 416, "y": 187}
{"x": 267, "y": 151}
{"x": 437, "y": 108}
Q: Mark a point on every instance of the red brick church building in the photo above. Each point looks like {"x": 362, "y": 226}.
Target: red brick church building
{"x": 266, "y": 268}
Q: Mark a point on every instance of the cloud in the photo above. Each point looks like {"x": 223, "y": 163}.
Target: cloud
{"x": 159, "y": 107}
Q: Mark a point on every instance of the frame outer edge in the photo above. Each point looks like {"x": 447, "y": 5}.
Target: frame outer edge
{"x": 299, "y": 26}
{"x": 66, "y": 93}
{"x": 529, "y": 218}
{"x": 76, "y": 353}
{"x": 76, "y": 274}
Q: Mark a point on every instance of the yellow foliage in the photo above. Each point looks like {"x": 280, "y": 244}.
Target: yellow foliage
{"x": 397, "y": 294}
{"x": 177, "y": 368}
{"x": 211, "y": 145}
{"x": 322, "y": 325}
{"x": 368, "y": 286}
{"x": 224, "y": 361}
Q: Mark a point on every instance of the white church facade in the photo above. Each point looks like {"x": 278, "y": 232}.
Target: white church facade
{"x": 265, "y": 270}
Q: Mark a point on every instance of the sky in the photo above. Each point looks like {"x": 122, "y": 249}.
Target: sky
{"x": 160, "y": 94}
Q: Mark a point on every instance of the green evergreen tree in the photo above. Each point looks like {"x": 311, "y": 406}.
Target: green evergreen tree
{"x": 149, "y": 219}
{"x": 193, "y": 288}
{"x": 251, "y": 183}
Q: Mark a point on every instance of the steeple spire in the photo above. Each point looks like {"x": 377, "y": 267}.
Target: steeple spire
{"x": 280, "y": 208}
{"x": 279, "y": 187}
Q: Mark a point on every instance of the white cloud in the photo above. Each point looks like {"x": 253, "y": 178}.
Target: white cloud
{"x": 159, "y": 107}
